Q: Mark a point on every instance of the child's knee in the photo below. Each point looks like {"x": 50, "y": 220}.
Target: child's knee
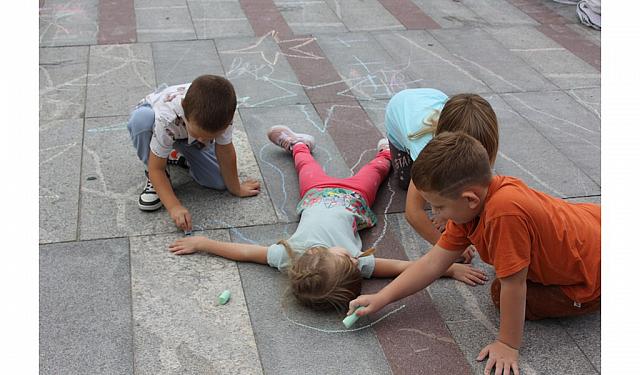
{"x": 141, "y": 120}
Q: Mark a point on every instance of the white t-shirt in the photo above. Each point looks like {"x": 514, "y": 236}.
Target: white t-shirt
{"x": 169, "y": 122}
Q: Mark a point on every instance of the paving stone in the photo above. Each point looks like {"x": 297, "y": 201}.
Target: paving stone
{"x": 181, "y": 62}
{"x": 591, "y": 34}
{"x": 63, "y": 82}
{"x": 566, "y": 11}
{"x": 547, "y": 348}
{"x": 553, "y": 61}
{"x": 525, "y": 152}
{"x": 350, "y": 12}
{"x": 65, "y": 23}
{"x": 59, "y": 183}
{"x": 586, "y": 332}
{"x": 450, "y": 14}
{"x": 420, "y": 56}
{"x": 110, "y": 202}
{"x": 119, "y": 76}
{"x": 85, "y": 308}
{"x": 163, "y": 20}
{"x": 260, "y": 72}
{"x": 216, "y": 19}
{"x": 501, "y": 69}
{"x": 499, "y": 12}
{"x": 277, "y": 165}
{"x": 309, "y": 17}
{"x": 376, "y": 110}
{"x": 367, "y": 69}
{"x": 288, "y": 335}
{"x": 589, "y": 98}
{"x": 592, "y": 199}
{"x": 562, "y": 120}
{"x": 179, "y": 327}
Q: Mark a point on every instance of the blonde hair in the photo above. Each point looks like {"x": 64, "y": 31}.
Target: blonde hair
{"x": 321, "y": 280}
{"x": 473, "y": 115}
{"x": 429, "y": 124}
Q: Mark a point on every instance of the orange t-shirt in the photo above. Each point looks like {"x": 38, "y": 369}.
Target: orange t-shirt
{"x": 520, "y": 227}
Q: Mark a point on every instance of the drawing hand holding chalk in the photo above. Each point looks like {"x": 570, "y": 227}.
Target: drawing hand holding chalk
{"x": 370, "y": 303}
{"x": 181, "y": 217}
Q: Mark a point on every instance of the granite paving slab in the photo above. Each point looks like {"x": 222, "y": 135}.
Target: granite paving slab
{"x": 179, "y": 327}
{"x": 366, "y": 68}
{"x": 63, "y": 82}
{"x": 181, "y": 62}
{"x": 566, "y": 11}
{"x": 59, "y": 183}
{"x": 292, "y": 339}
{"x": 589, "y": 98}
{"x": 217, "y": 19}
{"x": 350, "y": 13}
{"x": 85, "y": 308}
{"x": 538, "y": 10}
{"x": 450, "y": 14}
{"x": 574, "y": 42}
{"x": 109, "y": 198}
{"x": 309, "y": 17}
{"x": 426, "y": 60}
{"x": 499, "y": 12}
{"x": 163, "y": 20}
{"x": 260, "y": 72}
{"x": 276, "y": 165}
{"x": 562, "y": 120}
{"x": 66, "y": 23}
{"x": 593, "y": 35}
{"x": 586, "y": 332}
{"x": 119, "y": 77}
{"x": 498, "y": 67}
{"x": 525, "y": 152}
{"x": 376, "y": 110}
{"x": 553, "y": 61}
{"x": 408, "y": 13}
{"x": 117, "y": 22}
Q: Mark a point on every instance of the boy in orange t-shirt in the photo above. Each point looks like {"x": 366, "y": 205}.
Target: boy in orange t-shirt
{"x": 546, "y": 252}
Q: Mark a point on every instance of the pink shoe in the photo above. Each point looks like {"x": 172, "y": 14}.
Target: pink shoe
{"x": 284, "y": 137}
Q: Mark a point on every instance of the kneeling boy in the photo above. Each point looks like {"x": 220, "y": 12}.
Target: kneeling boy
{"x": 546, "y": 252}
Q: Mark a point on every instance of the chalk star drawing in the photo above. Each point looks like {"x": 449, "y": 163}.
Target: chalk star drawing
{"x": 288, "y": 47}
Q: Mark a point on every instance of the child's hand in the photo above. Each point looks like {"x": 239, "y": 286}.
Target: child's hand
{"x": 469, "y": 253}
{"x": 439, "y": 223}
{"x": 186, "y": 245}
{"x": 467, "y": 274}
{"x": 503, "y": 357}
{"x": 181, "y": 217}
{"x": 372, "y": 303}
{"x": 249, "y": 188}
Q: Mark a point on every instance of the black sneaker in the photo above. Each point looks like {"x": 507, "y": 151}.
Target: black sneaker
{"x": 177, "y": 159}
{"x": 149, "y": 199}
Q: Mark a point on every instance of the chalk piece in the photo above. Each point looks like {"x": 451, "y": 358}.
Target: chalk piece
{"x": 223, "y": 298}
{"x": 188, "y": 233}
{"x": 351, "y": 319}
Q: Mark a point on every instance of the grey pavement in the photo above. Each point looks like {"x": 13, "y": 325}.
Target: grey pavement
{"x": 114, "y": 300}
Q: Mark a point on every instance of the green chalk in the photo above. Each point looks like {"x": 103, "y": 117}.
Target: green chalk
{"x": 351, "y": 319}
{"x": 224, "y": 297}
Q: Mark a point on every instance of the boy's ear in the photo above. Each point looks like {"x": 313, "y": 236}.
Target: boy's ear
{"x": 472, "y": 198}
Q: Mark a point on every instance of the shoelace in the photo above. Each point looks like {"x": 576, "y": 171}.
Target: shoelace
{"x": 149, "y": 187}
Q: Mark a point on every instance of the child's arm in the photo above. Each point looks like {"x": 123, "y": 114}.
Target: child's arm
{"x": 503, "y": 353}
{"x": 180, "y": 215}
{"x": 389, "y": 267}
{"x": 235, "y": 251}
{"x": 226, "y": 155}
{"x": 416, "y": 277}
{"x": 418, "y": 218}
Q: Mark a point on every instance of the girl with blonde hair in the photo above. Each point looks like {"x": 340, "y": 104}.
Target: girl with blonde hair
{"x": 323, "y": 258}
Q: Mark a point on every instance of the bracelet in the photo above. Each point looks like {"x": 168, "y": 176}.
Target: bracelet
{"x": 509, "y": 346}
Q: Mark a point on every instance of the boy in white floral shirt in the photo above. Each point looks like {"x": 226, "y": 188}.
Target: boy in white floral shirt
{"x": 196, "y": 120}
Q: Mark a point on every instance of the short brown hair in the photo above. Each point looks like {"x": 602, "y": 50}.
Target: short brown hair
{"x": 323, "y": 280}
{"x": 450, "y": 163}
{"x": 210, "y": 102}
{"x": 473, "y": 115}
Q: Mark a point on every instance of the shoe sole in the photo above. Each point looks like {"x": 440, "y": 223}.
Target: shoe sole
{"x": 149, "y": 207}
{"x": 311, "y": 139}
